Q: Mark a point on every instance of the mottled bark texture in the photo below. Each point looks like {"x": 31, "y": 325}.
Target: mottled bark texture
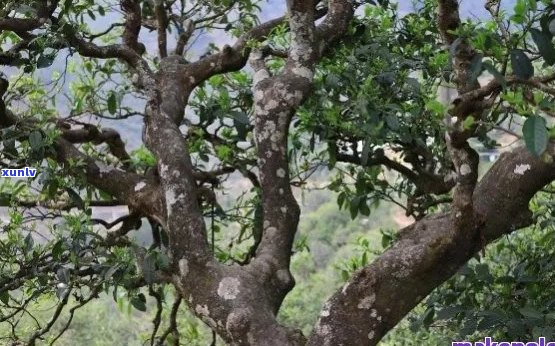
{"x": 241, "y": 302}
{"x": 428, "y": 253}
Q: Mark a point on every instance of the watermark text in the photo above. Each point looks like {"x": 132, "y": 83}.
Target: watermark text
{"x": 18, "y": 172}
{"x": 490, "y": 342}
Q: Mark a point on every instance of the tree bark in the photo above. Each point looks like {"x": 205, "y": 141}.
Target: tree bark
{"x": 429, "y": 252}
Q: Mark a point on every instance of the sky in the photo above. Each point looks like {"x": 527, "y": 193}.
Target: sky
{"x": 468, "y": 8}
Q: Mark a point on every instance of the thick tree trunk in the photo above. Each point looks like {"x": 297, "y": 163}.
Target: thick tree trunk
{"x": 428, "y": 253}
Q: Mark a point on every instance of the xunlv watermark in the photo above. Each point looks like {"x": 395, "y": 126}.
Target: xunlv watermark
{"x": 490, "y": 342}
{"x": 19, "y": 172}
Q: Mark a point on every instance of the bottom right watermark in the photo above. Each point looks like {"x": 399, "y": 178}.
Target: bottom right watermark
{"x": 491, "y": 342}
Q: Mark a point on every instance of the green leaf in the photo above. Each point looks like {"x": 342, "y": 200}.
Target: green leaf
{"x": 5, "y": 199}
{"x": 519, "y": 12}
{"x": 436, "y": 107}
{"x": 5, "y": 297}
{"x": 535, "y": 134}
{"x": 482, "y": 273}
{"x": 45, "y": 60}
{"x": 332, "y": 80}
{"x": 105, "y": 196}
{"x": 364, "y": 259}
{"x": 544, "y": 24}
{"x": 363, "y": 207}
{"x": 345, "y": 275}
{"x": 387, "y": 239}
{"x": 139, "y": 302}
{"x": 341, "y": 199}
{"x": 58, "y": 250}
{"x": 164, "y": 237}
{"x": 354, "y": 207}
{"x": 67, "y": 4}
{"x": 75, "y": 198}
{"x": 35, "y": 140}
{"x": 29, "y": 242}
{"x": 115, "y": 295}
{"x": 112, "y": 103}
{"x": 544, "y": 44}
{"x": 468, "y": 122}
{"x": 521, "y": 64}
{"x": 9, "y": 147}
{"x": 428, "y": 317}
{"x": 52, "y": 187}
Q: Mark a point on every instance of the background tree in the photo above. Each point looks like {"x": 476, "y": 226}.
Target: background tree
{"x": 318, "y": 87}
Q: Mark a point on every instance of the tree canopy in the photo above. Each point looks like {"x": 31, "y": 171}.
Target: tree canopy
{"x": 137, "y": 105}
